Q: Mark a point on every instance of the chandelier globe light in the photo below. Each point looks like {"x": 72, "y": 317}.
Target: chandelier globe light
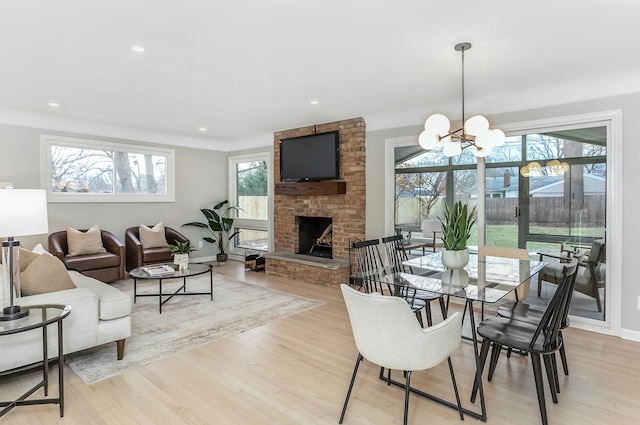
{"x": 474, "y": 134}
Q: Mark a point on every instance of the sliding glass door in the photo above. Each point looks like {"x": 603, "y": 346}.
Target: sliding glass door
{"x": 544, "y": 191}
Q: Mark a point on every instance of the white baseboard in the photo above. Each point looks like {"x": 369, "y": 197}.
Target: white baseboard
{"x": 630, "y": 335}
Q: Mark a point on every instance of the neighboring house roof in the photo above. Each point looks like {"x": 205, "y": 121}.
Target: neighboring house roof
{"x": 544, "y": 185}
{"x": 593, "y": 185}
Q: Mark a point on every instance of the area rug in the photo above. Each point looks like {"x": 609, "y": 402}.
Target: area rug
{"x": 186, "y": 322}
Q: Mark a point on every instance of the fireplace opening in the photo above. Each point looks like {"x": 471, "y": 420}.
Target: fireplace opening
{"x": 315, "y": 236}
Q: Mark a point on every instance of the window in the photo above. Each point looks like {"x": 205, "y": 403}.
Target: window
{"x": 426, "y": 181}
{"x": 79, "y": 170}
{"x": 250, "y": 187}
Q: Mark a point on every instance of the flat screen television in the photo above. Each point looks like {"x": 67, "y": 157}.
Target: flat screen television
{"x": 310, "y": 158}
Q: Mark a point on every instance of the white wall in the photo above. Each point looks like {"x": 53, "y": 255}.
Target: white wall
{"x": 626, "y": 255}
{"x": 201, "y": 181}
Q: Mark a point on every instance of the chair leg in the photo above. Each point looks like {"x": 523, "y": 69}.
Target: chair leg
{"x": 427, "y": 309}
{"x": 596, "y": 294}
{"x": 382, "y": 378}
{"x": 455, "y": 389}
{"x": 563, "y": 358}
{"x": 443, "y": 307}
{"x": 539, "y": 284}
{"x": 551, "y": 377}
{"x": 495, "y": 355}
{"x": 484, "y": 350}
{"x": 407, "y": 391}
{"x": 419, "y": 317}
{"x": 537, "y": 374}
{"x": 554, "y": 364}
{"x": 353, "y": 378}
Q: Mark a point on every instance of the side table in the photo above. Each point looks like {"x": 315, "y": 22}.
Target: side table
{"x": 40, "y": 317}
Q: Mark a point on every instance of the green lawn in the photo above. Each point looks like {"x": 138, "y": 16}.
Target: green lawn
{"x": 507, "y": 235}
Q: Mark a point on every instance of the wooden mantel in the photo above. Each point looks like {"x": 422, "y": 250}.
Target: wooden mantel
{"x": 328, "y": 187}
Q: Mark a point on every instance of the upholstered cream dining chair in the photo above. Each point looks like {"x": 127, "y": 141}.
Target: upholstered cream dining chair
{"x": 387, "y": 333}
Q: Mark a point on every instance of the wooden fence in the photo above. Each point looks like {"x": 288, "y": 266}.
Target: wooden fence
{"x": 548, "y": 210}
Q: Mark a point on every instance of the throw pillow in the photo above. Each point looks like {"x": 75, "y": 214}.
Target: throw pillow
{"x": 26, "y": 258}
{"x": 152, "y": 237}
{"x": 82, "y": 243}
{"x": 45, "y": 274}
{"x": 39, "y": 249}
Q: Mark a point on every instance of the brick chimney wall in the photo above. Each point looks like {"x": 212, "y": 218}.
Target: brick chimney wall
{"x": 346, "y": 210}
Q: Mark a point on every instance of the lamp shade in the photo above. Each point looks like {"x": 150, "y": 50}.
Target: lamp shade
{"x": 23, "y": 212}
{"x": 428, "y": 140}
{"x": 451, "y": 148}
{"x": 500, "y": 137}
{"x": 476, "y": 125}
{"x": 437, "y": 123}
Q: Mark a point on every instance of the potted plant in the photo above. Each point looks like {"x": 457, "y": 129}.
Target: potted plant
{"x": 219, "y": 223}
{"x": 456, "y": 229}
{"x": 180, "y": 253}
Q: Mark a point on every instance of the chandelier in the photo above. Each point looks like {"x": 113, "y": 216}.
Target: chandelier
{"x": 474, "y": 134}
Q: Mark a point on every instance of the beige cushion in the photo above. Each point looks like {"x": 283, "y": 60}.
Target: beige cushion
{"x": 26, "y": 258}
{"x": 153, "y": 237}
{"x": 39, "y": 249}
{"x": 82, "y": 243}
{"x": 113, "y": 303}
{"x": 45, "y": 274}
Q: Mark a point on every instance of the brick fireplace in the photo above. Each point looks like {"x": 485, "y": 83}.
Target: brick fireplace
{"x": 342, "y": 204}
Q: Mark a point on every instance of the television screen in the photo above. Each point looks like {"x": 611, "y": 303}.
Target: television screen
{"x": 310, "y": 158}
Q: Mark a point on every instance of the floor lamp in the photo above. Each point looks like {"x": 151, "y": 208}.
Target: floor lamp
{"x": 23, "y": 212}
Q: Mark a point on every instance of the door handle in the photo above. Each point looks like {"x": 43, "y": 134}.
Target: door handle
{"x": 517, "y": 212}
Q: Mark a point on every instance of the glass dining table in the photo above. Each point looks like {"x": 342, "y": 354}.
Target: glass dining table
{"x": 485, "y": 278}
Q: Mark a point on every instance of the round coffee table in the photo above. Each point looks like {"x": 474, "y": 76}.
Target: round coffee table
{"x": 194, "y": 269}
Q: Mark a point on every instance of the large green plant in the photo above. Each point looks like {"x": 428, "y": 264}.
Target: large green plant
{"x": 219, "y": 223}
{"x": 456, "y": 226}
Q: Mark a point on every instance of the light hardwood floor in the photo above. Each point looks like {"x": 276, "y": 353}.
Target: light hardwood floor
{"x": 296, "y": 371}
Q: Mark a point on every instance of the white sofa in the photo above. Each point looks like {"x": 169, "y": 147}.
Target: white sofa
{"x": 100, "y": 314}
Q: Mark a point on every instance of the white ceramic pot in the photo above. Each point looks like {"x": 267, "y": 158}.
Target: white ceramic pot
{"x": 455, "y": 259}
{"x": 455, "y": 277}
{"x": 182, "y": 260}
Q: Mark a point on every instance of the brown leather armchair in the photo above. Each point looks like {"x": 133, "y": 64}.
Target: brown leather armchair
{"x": 137, "y": 256}
{"x": 106, "y": 266}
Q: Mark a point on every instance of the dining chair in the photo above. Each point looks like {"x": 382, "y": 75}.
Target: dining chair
{"x": 396, "y": 256}
{"x": 591, "y": 269}
{"x": 370, "y": 264}
{"x": 527, "y": 313}
{"x": 386, "y": 334}
{"x": 521, "y": 291}
{"x": 537, "y": 340}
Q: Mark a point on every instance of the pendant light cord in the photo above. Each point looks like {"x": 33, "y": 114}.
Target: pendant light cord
{"x": 462, "y": 51}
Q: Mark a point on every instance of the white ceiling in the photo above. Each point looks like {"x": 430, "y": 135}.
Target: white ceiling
{"x": 246, "y": 68}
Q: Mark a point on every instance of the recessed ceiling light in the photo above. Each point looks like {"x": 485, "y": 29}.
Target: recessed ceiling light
{"x": 202, "y": 129}
{"x": 54, "y": 104}
{"x": 314, "y": 102}
{"x": 138, "y": 49}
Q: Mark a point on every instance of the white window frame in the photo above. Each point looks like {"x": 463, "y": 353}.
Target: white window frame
{"x": 265, "y": 225}
{"x": 46, "y": 140}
